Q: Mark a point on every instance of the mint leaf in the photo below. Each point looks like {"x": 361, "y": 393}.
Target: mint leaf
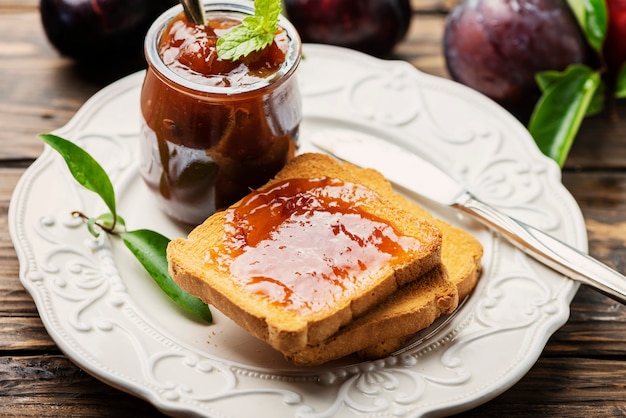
{"x": 87, "y": 172}
{"x": 240, "y": 42}
{"x": 254, "y": 34}
{"x": 269, "y": 11}
{"x": 561, "y": 109}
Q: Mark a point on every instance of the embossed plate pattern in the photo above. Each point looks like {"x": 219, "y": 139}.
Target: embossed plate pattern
{"x": 105, "y": 313}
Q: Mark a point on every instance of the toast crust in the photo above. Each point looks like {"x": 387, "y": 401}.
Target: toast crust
{"x": 412, "y": 308}
{"x": 287, "y": 330}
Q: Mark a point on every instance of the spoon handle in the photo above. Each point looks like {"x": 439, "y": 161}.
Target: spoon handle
{"x": 194, "y": 11}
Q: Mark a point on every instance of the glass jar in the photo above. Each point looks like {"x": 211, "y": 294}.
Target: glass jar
{"x": 208, "y": 138}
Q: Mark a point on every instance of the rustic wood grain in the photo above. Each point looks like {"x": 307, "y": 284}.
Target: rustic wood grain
{"x": 20, "y": 6}
{"x": 433, "y": 6}
{"x": 600, "y": 143}
{"x": 13, "y": 298}
{"x": 581, "y": 388}
{"x": 601, "y": 196}
{"x": 423, "y": 48}
{"x": 32, "y": 70}
{"x": 24, "y": 333}
{"x": 52, "y": 386}
{"x": 580, "y": 372}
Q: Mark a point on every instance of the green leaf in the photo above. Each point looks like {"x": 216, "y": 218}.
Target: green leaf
{"x": 546, "y": 78}
{"x": 84, "y": 168}
{"x": 596, "y": 23}
{"x": 113, "y": 224}
{"x": 149, "y": 248}
{"x": 241, "y": 41}
{"x": 254, "y": 23}
{"x": 578, "y": 8}
{"x": 254, "y": 34}
{"x": 561, "y": 109}
{"x": 109, "y": 221}
{"x": 620, "y": 83}
{"x": 592, "y": 17}
{"x": 268, "y": 10}
{"x": 91, "y": 227}
{"x": 597, "y": 101}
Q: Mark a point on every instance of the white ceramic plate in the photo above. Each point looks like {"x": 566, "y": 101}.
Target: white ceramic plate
{"x": 106, "y": 314}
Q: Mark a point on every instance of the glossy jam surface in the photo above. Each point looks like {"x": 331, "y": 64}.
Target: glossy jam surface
{"x": 304, "y": 244}
{"x": 189, "y": 50}
{"x": 202, "y": 151}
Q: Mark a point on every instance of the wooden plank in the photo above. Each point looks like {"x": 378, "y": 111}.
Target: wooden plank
{"x": 41, "y": 90}
{"x": 24, "y": 334}
{"x": 18, "y": 6}
{"x": 42, "y": 386}
{"x": 422, "y": 47}
{"x": 600, "y": 141}
{"x": 433, "y": 6}
{"x": 15, "y": 301}
{"x": 564, "y": 387}
{"x": 600, "y": 195}
{"x": 32, "y": 101}
{"x": 595, "y": 328}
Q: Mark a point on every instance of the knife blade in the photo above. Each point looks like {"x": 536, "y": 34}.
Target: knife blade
{"x": 410, "y": 171}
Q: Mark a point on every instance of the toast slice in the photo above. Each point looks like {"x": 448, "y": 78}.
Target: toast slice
{"x": 413, "y": 307}
{"x": 204, "y": 263}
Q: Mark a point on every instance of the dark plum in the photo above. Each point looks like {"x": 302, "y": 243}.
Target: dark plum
{"x": 615, "y": 45}
{"x": 96, "y": 29}
{"x": 498, "y": 46}
{"x": 371, "y": 26}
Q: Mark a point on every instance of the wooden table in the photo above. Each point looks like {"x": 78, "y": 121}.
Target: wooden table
{"x": 581, "y": 372}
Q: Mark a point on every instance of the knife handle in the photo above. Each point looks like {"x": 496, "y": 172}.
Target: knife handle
{"x": 554, "y": 253}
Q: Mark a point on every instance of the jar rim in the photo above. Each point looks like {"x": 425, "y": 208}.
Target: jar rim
{"x": 242, "y": 7}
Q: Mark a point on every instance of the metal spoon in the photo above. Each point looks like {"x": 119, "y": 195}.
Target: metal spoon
{"x": 194, "y": 10}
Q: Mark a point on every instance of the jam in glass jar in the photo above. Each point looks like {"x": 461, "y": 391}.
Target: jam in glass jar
{"x": 213, "y": 129}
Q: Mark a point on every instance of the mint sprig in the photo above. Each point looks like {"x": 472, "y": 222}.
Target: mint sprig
{"x": 255, "y": 33}
{"x": 149, "y": 247}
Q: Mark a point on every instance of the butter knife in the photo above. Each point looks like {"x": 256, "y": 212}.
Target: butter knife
{"x": 410, "y": 171}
